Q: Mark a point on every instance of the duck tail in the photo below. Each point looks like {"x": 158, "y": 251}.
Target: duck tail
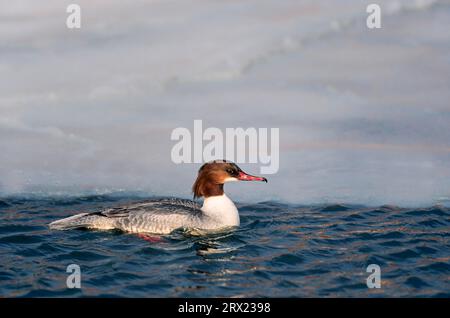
{"x": 83, "y": 220}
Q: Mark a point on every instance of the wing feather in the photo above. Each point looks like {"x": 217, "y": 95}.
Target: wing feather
{"x": 161, "y": 207}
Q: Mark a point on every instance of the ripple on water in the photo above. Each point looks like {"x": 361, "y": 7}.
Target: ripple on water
{"x": 18, "y": 228}
{"x": 437, "y": 267}
{"x": 431, "y": 223}
{"x": 416, "y": 282}
{"x": 403, "y": 255}
{"x": 334, "y": 208}
{"x": 20, "y": 239}
{"x": 82, "y": 256}
{"x": 427, "y": 212}
{"x": 287, "y": 259}
{"x": 4, "y": 204}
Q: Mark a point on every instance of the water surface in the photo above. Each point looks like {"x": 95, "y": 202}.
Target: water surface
{"x": 280, "y": 250}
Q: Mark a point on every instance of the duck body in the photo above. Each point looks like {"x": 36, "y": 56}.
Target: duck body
{"x": 166, "y": 215}
{"x": 161, "y": 216}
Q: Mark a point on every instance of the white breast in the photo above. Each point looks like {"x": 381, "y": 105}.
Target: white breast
{"x": 222, "y": 210}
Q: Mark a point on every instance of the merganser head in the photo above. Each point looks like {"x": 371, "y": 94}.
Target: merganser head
{"x": 212, "y": 176}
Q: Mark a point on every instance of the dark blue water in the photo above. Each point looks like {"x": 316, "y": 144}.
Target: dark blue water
{"x": 279, "y": 251}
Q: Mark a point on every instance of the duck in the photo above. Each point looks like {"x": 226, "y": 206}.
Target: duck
{"x": 163, "y": 216}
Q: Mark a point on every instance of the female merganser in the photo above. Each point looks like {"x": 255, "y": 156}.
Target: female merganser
{"x": 164, "y": 216}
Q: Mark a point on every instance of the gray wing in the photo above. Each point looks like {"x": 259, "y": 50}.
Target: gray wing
{"x": 156, "y": 216}
{"x": 161, "y": 206}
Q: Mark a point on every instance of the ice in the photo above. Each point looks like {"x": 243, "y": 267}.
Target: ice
{"x": 363, "y": 114}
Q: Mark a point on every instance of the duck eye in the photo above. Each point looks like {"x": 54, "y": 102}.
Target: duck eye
{"x": 231, "y": 172}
